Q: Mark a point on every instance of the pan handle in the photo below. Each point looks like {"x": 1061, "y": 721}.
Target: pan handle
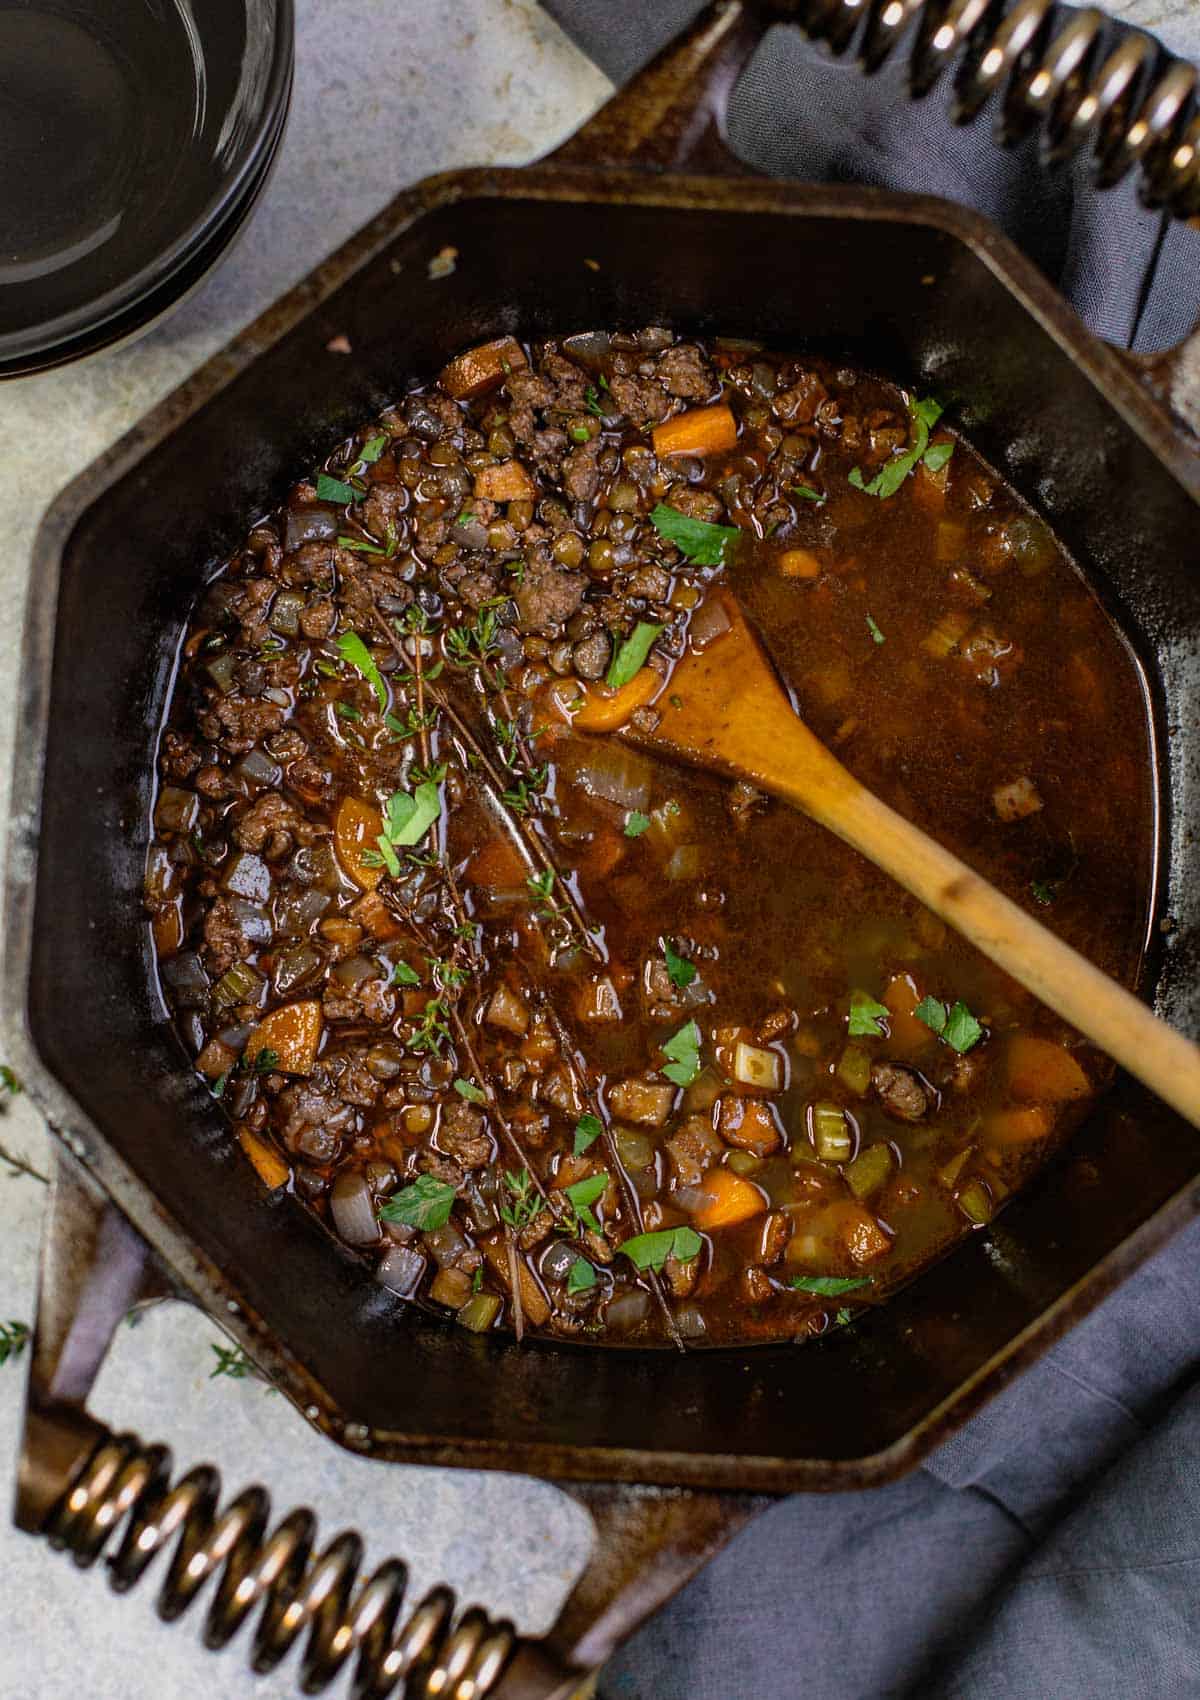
{"x": 87, "y": 1489}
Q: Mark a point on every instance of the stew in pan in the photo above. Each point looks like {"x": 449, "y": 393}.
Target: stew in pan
{"x": 563, "y": 1038}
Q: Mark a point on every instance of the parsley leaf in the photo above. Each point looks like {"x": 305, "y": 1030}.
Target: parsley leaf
{"x": 592, "y": 401}
{"x": 630, "y": 654}
{"x": 1042, "y": 890}
{"x": 636, "y": 823}
{"x": 355, "y": 653}
{"x": 937, "y": 455}
{"x": 363, "y": 547}
{"x": 695, "y": 538}
{"x": 874, "y": 630}
{"x": 807, "y": 492}
{"x": 407, "y": 819}
{"x": 373, "y": 448}
{"x": 584, "y": 1194}
{"x": 925, "y": 415}
{"x": 651, "y": 1251}
{"x": 425, "y": 1204}
{"x": 829, "y": 1286}
{"x": 865, "y": 1016}
{"x": 579, "y": 434}
{"x": 473, "y": 1094}
{"x": 403, "y": 975}
{"x": 587, "y": 1131}
{"x": 581, "y": 1277}
{"x": 682, "y": 971}
{"x": 334, "y": 490}
{"x": 683, "y": 1048}
{"x": 959, "y": 1028}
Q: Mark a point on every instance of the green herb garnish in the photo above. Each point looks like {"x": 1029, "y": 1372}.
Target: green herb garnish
{"x": 473, "y": 1094}
{"x": 581, "y": 1277}
{"x": 362, "y": 546}
{"x": 696, "y": 539}
{"x": 636, "y": 823}
{"x": 373, "y": 448}
{"x": 580, "y": 434}
{"x": 403, "y": 975}
{"x": 333, "y": 490}
{"x": 584, "y": 1194}
{"x": 1042, "y": 890}
{"x": 14, "y": 1337}
{"x": 630, "y": 654}
{"x": 865, "y": 1016}
{"x": 355, "y": 653}
{"x": 406, "y": 819}
{"x": 527, "y": 1202}
{"x": 231, "y": 1361}
{"x": 587, "y": 1131}
{"x": 876, "y": 634}
{"x": 425, "y": 1204}
{"x": 683, "y": 1048}
{"x": 829, "y": 1286}
{"x": 651, "y": 1251}
{"x": 682, "y": 971}
{"x": 925, "y": 415}
{"x": 958, "y": 1028}
{"x": 8, "y": 1080}
{"x": 807, "y": 492}
{"x": 346, "y": 711}
{"x": 937, "y": 455}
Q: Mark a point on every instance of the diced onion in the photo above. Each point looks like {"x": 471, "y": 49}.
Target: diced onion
{"x": 400, "y": 1270}
{"x": 353, "y": 1210}
{"x": 754, "y": 1065}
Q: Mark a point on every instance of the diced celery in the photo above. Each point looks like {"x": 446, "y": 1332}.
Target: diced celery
{"x": 975, "y": 1202}
{"x": 743, "y": 1162}
{"x": 831, "y": 1134}
{"x": 870, "y": 1169}
{"x": 479, "y": 1312}
{"x": 854, "y": 1069}
{"x": 239, "y": 984}
{"x": 950, "y": 1171}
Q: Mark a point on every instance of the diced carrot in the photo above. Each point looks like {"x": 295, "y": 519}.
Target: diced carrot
{"x": 901, "y": 998}
{"x": 604, "y": 710}
{"x": 272, "y": 1169}
{"x": 355, "y": 829}
{"x": 799, "y": 563}
{"x": 699, "y": 431}
{"x": 373, "y": 915}
{"x": 216, "y": 1059}
{"x": 507, "y": 481}
{"x": 167, "y": 927}
{"x": 748, "y": 1123}
{"x": 481, "y": 369}
{"x": 533, "y": 1300}
{"x": 733, "y": 1200}
{"x": 1041, "y": 1072}
{"x": 1015, "y": 1127}
{"x": 293, "y": 1032}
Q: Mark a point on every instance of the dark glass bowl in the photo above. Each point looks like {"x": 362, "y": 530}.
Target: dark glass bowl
{"x": 136, "y": 135}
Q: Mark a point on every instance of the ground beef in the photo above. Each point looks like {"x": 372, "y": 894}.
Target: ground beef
{"x": 269, "y": 822}
{"x": 317, "y": 619}
{"x": 224, "y": 941}
{"x": 178, "y": 757}
{"x": 581, "y": 472}
{"x": 312, "y": 563}
{"x": 547, "y": 598}
{"x": 899, "y": 1091}
{"x": 639, "y": 399}
{"x": 651, "y": 582}
{"x": 570, "y": 383}
{"x": 313, "y": 1122}
{"x": 476, "y": 588}
{"x": 216, "y": 783}
{"x": 463, "y": 1136}
{"x": 238, "y": 723}
{"x": 799, "y": 404}
{"x": 684, "y": 373}
{"x": 590, "y": 656}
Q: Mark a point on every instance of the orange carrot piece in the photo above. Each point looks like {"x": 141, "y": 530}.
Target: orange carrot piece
{"x": 507, "y": 481}
{"x": 293, "y": 1032}
{"x": 373, "y": 915}
{"x": 604, "y": 709}
{"x": 901, "y": 998}
{"x": 481, "y": 369}
{"x": 1016, "y": 1127}
{"x": 1041, "y": 1072}
{"x": 699, "y": 431}
{"x": 272, "y": 1170}
{"x": 733, "y": 1200}
{"x": 355, "y": 829}
{"x": 799, "y": 563}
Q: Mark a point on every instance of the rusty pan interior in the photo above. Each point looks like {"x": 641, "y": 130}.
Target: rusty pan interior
{"x": 912, "y": 288}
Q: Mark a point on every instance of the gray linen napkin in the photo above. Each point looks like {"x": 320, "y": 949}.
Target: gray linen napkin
{"x": 1051, "y": 1550}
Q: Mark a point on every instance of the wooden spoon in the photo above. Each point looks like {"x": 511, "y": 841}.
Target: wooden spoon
{"x": 726, "y": 709}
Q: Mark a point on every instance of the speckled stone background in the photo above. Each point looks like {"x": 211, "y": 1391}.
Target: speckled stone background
{"x": 386, "y": 92}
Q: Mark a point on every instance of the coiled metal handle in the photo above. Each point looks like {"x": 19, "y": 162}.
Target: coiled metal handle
{"x": 429, "y": 1653}
{"x": 1136, "y": 106}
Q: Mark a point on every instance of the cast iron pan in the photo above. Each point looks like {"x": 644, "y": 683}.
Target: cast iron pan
{"x": 150, "y": 1195}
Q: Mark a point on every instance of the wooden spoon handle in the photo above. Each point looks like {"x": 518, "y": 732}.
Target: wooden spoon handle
{"x": 1066, "y": 982}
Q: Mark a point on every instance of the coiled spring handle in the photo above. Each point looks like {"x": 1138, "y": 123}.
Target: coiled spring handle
{"x": 1136, "y": 105}
{"x": 427, "y": 1655}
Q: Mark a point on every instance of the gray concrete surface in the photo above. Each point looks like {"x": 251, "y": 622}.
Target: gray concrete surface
{"x": 386, "y": 92}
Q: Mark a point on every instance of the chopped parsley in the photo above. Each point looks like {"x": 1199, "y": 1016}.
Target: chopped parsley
{"x": 465, "y": 518}
{"x": 630, "y": 654}
{"x": 636, "y": 823}
{"x": 406, "y": 819}
{"x": 876, "y": 635}
{"x": 587, "y": 1131}
{"x": 683, "y": 1049}
{"x": 581, "y": 1277}
{"x": 334, "y": 490}
{"x": 829, "y": 1286}
{"x": 580, "y": 434}
{"x": 425, "y": 1204}
{"x": 526, "y": 1201}
{"x": 265, "y": 1061}
{"x": 937, "y": 455}
{"x": 346, "y": 711}
{"x": 592, "y": 401}
{"x": 651, "y": 1251}
{"x": 8, "y": 1080}
{"x": 1042, "y": 890}
{"x": 682, "y": 971}
{"x": 355, "y": 653}
{"x": 925, "y": 415}
{"x": 373, "y": 448}
{"x": 958, "y": 1028}
{"x": 473, "y": 1094}
{"x": 584, "y": 1194}
{"x": 403, "y": 975}
{"x": 361, "y": 544}
{"x": 865, "y": 1016}
{"x": 696, "y": 539}
{"x": 807, "y": 492}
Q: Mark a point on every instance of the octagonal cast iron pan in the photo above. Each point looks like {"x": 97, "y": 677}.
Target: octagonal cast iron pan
{"x": 151, "y": 1196}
